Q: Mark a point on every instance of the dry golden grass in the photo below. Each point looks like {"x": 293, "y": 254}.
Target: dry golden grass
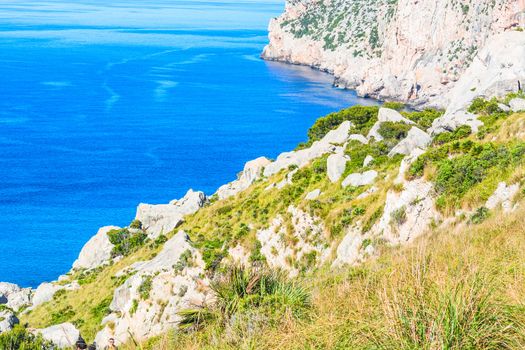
{"x": 462, "y": 274}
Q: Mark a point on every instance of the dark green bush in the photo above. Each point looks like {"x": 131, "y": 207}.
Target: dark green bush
{"x": 145, "y": 287}
{"x": 125, "y": 241}
{"x": 20, "y": 339}
{"x": 394, "y": 131}
{"x": 458, "y": 134}
{"x": 481, "y": 214}
{"x": 136, "y": 224}
{"x": 484, "y": 107}
{"x": 423, "y": 118}
{"x": 398, "y": 106}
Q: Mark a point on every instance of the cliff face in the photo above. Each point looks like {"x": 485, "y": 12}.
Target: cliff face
{"x": 407, "y": 50}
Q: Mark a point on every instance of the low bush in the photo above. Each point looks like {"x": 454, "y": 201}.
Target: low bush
{"x": 125, "y": 241}
{"x": 394, "y": 131}
{"x": 19, "y": 338}
{"x": 239, "y": 291}
{"x": 362, "y": 118}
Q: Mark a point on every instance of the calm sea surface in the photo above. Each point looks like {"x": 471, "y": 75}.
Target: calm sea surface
{"x": 106, "y": 104}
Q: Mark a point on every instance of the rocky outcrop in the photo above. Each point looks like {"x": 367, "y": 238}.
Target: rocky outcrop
{"x": 301, "y": 158}
{"x": 517, "y": 104}
{"x": 163, "y": 218}
{"x": 44, "y": 293}
{"x": 349, "y": 251}
{"x": 496, "y": 70}
{"x": 62, "y": 335}
{"x": 503, "y": 197}
{"x": 360, "y": 179}
{"x": 97, "y": 251}
{"x": 284, "y": 243}
{"x": 416, "y": 138}
{"x": 252, "y": 171}
{"x": 147, "y": 303}
{"x": 310, "y": 196}
{"x": 13, "y": 296}
{"x": 404, "y": 50}
{"x": 336, "y": 165}
{"x": 7, "y": 320}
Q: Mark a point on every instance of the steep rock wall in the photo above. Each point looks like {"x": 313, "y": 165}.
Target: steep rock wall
{"x": 407, "y": 50}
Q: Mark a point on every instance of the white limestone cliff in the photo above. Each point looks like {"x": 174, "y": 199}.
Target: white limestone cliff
{"x": 405, "y": 50}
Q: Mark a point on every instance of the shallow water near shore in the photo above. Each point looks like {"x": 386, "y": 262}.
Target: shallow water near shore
{"x": 106, "y": 106}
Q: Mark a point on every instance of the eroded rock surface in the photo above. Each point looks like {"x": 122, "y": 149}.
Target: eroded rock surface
{"x": 97, "y": 251}
{"x": 163, "y": 218}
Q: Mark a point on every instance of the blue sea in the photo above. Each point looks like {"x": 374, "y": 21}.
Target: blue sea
{"x": 106, "y": 104}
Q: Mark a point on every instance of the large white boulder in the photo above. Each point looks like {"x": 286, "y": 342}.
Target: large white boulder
{"x": 252, "y": 171}
{"x": 517, "y": 105}
{"x": 310, "y": 196}
{"x": 416, "y": 138}
{"x": 97, "y": 251}
{"x": 14, "y": 296}
{"x": 503, "y": 196}
{"x": 170, "y": 282}
{"x": 163, "y": 218}
{"x": 62, "y": 335}
{"x": 349, "y": 250}
{"x": 44, "y": 293}
{"x": 386, "y": 115}
{"x": 7, "y": 320}
{"x": 368, "y": 160}
{"x": 301, "y": 158}
{"x": 360, "y": 179}
{"x": 453, "y": 120}
{"x": 336, "y": 165}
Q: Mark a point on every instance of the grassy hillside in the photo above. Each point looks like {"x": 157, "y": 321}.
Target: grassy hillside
{"x": 460, "y": 286}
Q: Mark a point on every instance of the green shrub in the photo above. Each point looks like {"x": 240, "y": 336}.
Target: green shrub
{"x": 62, "y": 315}
{"x": 398, "y": 106}
{"x": 484, "y": 107}
{"x": 399, "y": 216}
{"x": 458, "y": 134}
{"x": 125, "y": 241}
{"x": 20, "y": 339}
{"x": 240, "y": 291}
{"x": 394, "y": 131}
{"x": 423, "y": 118}
{"x": 362, "y": 118}
{"x": 481, "y": 214}
{"x": 136, "y": 224}
{"x": 145, "y": 287}
{"x": 101, "y": 310}
{"x": 256, "y": 255}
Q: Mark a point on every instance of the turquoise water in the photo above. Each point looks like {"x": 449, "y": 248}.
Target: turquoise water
{"x": 105, "y": 106}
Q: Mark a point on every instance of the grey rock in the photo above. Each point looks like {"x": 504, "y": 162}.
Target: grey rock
{"x": 503, "y": 196}
{"x": 62, "y": 335}
{"x": 313, "y": 195}
{"x": 252, "y": 171}
{"x": 97, "y": 251}
{"x": 7, "y": 320}
{"x": 163, "y": 218}
{"x": 336, "y": 165}
{"x": 360, "y": 179}
{"x": 416, "y": 138}
{"x": 517, "y": 104}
